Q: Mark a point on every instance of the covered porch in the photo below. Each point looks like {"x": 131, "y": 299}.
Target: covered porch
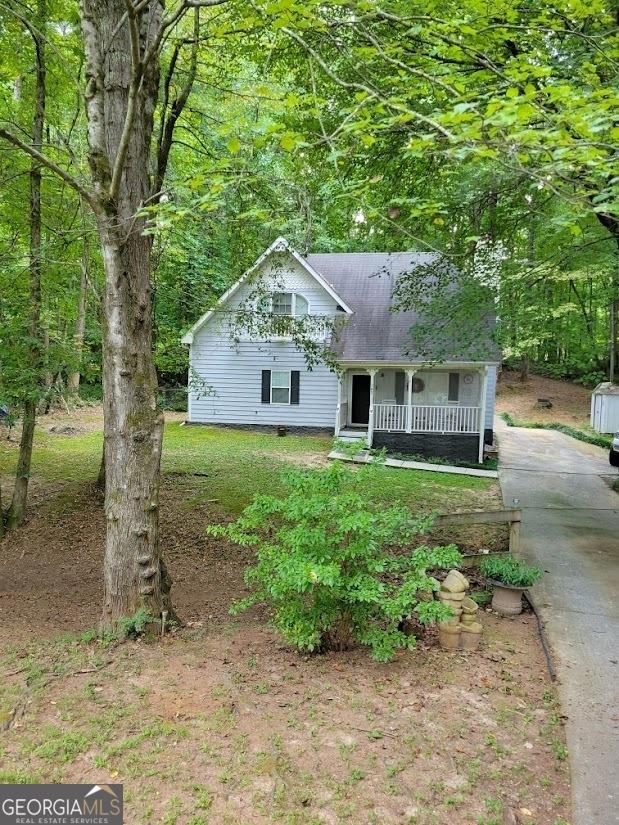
{"x": 407, "y": 408}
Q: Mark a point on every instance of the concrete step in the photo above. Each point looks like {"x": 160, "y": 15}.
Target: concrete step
{"x": 352, "y": 435}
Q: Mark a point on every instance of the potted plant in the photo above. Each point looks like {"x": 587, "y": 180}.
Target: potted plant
{"x": 509, "y": 577}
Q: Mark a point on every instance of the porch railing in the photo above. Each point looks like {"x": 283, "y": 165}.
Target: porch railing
{"x": 390, "y": 417}
{"x": 426, "y": 418}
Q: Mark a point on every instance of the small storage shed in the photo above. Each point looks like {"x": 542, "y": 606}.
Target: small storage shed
{"x": 605, "y": 408}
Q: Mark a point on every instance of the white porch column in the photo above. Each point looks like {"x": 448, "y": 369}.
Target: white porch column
{"x": 338, "y": 409}
{"x": 482, "y": 413}
{"x": 410, "y": 374}
{"x": 371, "y": 416}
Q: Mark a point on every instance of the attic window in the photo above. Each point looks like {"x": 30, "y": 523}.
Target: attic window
{"x": 289, "y": 304}
{"x": 282, "y": 303}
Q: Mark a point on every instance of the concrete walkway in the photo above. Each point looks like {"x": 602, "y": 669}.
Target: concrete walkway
{"x": 570, "y": 528}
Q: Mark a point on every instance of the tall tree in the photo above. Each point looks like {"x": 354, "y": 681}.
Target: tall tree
{"x": 79, "y": 329}
{"x": 122, "y": 42}
{"x": 20, "y": 490}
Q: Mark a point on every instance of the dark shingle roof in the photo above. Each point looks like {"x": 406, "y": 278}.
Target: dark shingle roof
{"x": 366, "y": 281}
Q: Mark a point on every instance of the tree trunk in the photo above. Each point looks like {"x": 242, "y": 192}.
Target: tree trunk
{"x": 100, "y": 482}
{"x": 525, "y": 368}
{"x": 121, "y": 95}
{"x": 611, "y": 222}
{"x": 73, "y": 380}
{"x": 1, "y": 513}
{"x": 133, "y": 432}
{"x": 17, "y": 509}
{"x": 614, "y": 317}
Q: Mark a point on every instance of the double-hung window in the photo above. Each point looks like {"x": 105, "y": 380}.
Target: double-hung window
{"x": 289, "y": 304}
{"x": 282, "y": 303}
{"x": 280, "y": 387}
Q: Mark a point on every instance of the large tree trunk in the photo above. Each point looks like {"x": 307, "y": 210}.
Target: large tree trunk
{"x": 1, "y": 513}
{"x": 133, "y": 433}
{"x": 17, "y": 509}
{"x": 73, "y": 380}
{"x": 121, "y": 96}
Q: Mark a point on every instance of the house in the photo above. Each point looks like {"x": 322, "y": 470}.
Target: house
{"x": 377, "y": 391}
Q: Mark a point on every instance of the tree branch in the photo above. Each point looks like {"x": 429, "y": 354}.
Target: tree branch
{"x": 136, "y": 78}
{"x": 49, "y": 164}
{"x": 168, "y": 123}
{"x": 362, "y": 87}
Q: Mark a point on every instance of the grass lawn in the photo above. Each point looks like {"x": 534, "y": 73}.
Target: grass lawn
{"x": 239, "y": 464}
{"x": 221, "y": 723}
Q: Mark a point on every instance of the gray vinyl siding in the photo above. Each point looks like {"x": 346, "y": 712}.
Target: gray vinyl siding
{"x": 233, "y": 370}
{"x": 490, "y": 394}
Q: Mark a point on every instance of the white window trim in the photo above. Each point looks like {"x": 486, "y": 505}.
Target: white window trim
{"x": 293, "y": 306}
{"x": 293, "y": 302}
{"x": 289, "y": 388}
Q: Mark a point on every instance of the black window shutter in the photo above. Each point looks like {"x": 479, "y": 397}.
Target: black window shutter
{"x": 266, "y": 386}
{"x": 399, "y": 387}
{"x": 294, "y": 387}
{"x": 453, "y": 393}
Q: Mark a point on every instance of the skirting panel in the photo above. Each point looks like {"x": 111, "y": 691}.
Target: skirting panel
{"x": 450, "y": 446}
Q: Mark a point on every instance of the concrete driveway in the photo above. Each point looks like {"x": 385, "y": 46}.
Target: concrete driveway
{"x": 570, "y": 528}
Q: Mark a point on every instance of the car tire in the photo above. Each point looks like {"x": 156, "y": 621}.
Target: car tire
{"x": 613, "y": 458}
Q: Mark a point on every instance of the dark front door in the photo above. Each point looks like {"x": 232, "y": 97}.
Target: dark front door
{"x": 360, "y": 412}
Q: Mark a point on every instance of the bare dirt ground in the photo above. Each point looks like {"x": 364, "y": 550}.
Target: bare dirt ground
{"x": 60, "y": 590}
{"x": 570, "y": 402}
{"x": 224, "y": 725}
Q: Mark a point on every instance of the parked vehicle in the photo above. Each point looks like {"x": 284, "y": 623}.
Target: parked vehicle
{"x": 613, "y": 455}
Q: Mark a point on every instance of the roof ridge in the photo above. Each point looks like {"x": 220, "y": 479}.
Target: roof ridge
{"x": 400, "y": 252}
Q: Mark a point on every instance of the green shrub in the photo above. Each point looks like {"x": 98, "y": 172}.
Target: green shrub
{"x": 326, "y": 564}
{"x": 509, "y": 570}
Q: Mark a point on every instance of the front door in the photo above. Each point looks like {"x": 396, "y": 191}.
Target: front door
{"x": 360, "y": 408}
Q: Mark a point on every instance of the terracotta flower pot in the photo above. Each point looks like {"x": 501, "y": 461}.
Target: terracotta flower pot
{"x": 507, "y": 600}
{"x": 455, "y": 582}
{"x": 469, "y": 606}
{"x": 449, "y": 636}
{"x": 470, "y": 636}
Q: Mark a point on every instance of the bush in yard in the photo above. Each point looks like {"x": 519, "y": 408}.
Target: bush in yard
{"x": 335, "y": 567}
